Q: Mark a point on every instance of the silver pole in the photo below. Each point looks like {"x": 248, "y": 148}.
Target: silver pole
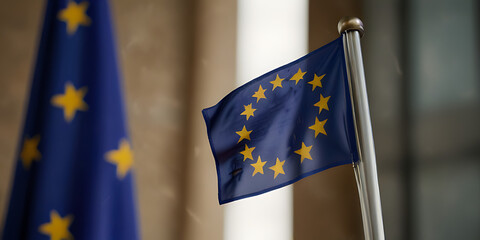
{"x": 366, "y": 168}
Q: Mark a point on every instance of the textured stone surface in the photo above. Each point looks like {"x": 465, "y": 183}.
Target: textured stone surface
{"x": 153, "y": 51}
{"x": 213, "y": 77}
{"x": 19, "y": 28}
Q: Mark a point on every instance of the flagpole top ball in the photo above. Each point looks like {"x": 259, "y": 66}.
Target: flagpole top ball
{"x": 350, "y": 24}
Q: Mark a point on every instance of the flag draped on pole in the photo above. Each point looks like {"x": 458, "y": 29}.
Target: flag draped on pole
{"x": 283, "y": 126}
{"x": 73, "y": 179}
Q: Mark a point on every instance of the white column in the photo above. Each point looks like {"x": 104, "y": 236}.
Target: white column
{"x": 270, "y": 34}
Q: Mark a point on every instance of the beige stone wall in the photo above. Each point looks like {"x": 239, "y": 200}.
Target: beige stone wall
{"x": 177, "y": 57}
{"x": 213, "y": 77}
{"x": 19, "y": 28}
{"x": 153, "y": 47}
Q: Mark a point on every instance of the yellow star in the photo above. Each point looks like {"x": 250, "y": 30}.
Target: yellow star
{"x": 123, "y": 158}
{"x": 30, "y": 151}
{"x": 244, "y": 134}
{"x": 298, "y": 76}
{"x": 278, "y": 168}
{"x": 322, "y": 104}
{"x": 277, "y": 82}
{"x": 248, "y": 111}
{"x": 318, "y": 127}
{"x": 74, "y": 15}
{"x": 304, "y": 152}
{"x": 247, "y": 153}
{"x": 57, "y": 228}
{"x": 258, "y": 166}
{"x": 71, "y": 101}
{"x": 316, "y": 82}
{"x": 259, "y": 94}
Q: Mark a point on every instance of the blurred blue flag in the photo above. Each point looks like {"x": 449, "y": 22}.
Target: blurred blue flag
{"x": 73, "y": 179}
{"x": 283, "y": 126}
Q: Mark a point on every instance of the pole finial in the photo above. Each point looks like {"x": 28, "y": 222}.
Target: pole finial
{"x": 350, "y": 24}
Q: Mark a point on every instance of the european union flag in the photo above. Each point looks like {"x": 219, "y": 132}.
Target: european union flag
{"x": 73, "y": 178}
{"x": 283, "y": 126}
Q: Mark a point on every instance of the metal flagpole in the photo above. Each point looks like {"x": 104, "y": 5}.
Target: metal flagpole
{"x": 366, "y": 168}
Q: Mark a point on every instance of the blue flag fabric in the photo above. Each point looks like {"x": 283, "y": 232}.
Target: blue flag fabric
{"x": 73, "y": 178}
{"x": 283, "y": 126}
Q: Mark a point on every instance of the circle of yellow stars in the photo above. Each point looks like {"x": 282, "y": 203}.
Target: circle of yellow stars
{"x": 304, "y": 152}
{"x": 71, "y": 101}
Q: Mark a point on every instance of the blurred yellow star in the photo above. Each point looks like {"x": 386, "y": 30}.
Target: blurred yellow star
{"x": 322, "y": 104}
{"x": 278, "y": 168}
{"x": 316, "y": 82}
{"x": 298, "y": 76}
{"x": 258, "y": 166}
{"x": 123, "y": 158}
{"x": 318, "y": 127}
{"x": 277, "y": 82}
{"x": 260, "y": 93}
{"x": 71, "y": 101}
{"x": 244, "y": 134}
{"x": 57, "y": 228}
{"x": 74, "y": 15}
{"x": 248, "y": 111}
{"x": 247, "y": 153}
{"x": 304, "y": 152}
{"x": 30, "y": 151}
